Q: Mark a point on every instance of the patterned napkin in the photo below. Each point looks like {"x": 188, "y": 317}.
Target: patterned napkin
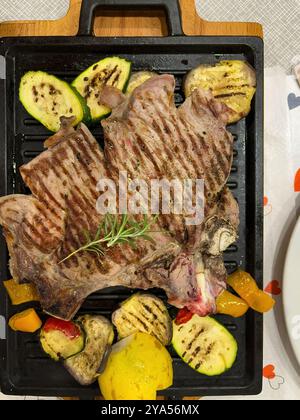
{"x": 281, "y": 372}
{"x": 297, "y": 70}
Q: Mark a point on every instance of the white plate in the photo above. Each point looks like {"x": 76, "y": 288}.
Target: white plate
{"x": 291, "y": 291}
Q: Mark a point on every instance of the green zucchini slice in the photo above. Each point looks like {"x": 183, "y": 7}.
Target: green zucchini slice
{"x": 62, "y": 339}
{"x": 205, "y": 345}
{"x": 47, "y": 98}
{"x": 112, "y": 71}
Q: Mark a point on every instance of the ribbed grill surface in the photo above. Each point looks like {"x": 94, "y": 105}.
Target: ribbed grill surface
{"x": 26, "y": 361}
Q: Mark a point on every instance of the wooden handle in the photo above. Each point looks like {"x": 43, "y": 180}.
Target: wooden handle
{"x": 129, "y": 23}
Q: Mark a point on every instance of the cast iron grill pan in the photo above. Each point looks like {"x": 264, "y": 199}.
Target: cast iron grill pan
{"x": 25, "y": 370}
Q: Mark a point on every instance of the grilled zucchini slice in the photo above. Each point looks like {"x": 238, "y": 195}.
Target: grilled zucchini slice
{"x": 137, "y": 79}
{"x": 47, "y": 98}
{"x": 144, "y": 313}
{"x": 84, "y": 367}
{"x": 231, "y": 82}
{"x": 112, "y": 71}
{"x": 61, "y": 339}
{"x": 205, "y": 345}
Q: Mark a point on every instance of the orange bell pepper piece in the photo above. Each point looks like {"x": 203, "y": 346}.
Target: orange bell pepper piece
{"x": 26, "y": 321}
{"x": 20, "y": 293}
{"x": 245, "y": 286}
{"x": 229, "y": 304}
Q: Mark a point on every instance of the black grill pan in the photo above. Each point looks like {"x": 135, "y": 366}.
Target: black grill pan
{"x": 24, "y": 368}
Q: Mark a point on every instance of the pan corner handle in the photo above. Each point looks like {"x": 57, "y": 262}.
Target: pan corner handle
{"x": 171, "y": 7}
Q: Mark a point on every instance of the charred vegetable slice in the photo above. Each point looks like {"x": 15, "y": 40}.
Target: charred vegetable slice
{"x": 112, "y": 71}
{"x": 137, "y": 79}
{"x": 205, "y": 345}
{"x": 232, "y": 82}
{"x": 62, "y": 339}
{"x": 144, "y": 313}
{"x": 48, "y": 98}
{"x": 84, "y": 367}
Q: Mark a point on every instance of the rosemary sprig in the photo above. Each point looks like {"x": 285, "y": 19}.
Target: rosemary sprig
{"x": 112, "y": 232}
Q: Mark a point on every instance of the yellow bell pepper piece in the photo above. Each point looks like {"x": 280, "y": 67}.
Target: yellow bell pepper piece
{"x": 229, "y": 304}
{"x": 245, "y": 286}
{"x": 137, "y": 367}
{"x": 20, "y": 293}
{"x": 26, "y": 321}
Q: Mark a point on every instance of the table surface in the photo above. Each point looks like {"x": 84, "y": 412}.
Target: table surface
{"x": 279, "y": 19}
{"x": 130, "y": 24}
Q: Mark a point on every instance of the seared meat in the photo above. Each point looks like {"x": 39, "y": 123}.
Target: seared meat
{"x": 42, "y": 230}
{"x": 219, "y": 230}
{"x": 189, "y": 142}
{"x": 218, "y": 234}
{"x": 150, "y": 139}
{"x": 205, "y": 277}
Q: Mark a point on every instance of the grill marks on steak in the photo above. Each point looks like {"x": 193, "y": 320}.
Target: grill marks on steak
{"x": 65, "y": 178}
{"x": 82, "y": 168}
{"x": 189, "y": 142}
{"x": 44, "y": 228}
{"x": 151, "y": 128}
{"x": 149, "y": 138}
{"x": 213, "y": 144}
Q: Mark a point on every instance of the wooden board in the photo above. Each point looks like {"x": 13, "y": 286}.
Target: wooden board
{"x": 112, "y": 23}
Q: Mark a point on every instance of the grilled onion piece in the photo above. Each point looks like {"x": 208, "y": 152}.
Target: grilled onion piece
{"x": 231, "y": 82}
{"x": 144, "y": 313}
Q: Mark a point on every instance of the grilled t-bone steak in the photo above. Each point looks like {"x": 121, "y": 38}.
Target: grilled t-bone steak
{"x": 149, "y": 138}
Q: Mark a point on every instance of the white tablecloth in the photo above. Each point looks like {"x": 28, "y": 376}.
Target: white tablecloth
{"x": 282, "y": 162}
